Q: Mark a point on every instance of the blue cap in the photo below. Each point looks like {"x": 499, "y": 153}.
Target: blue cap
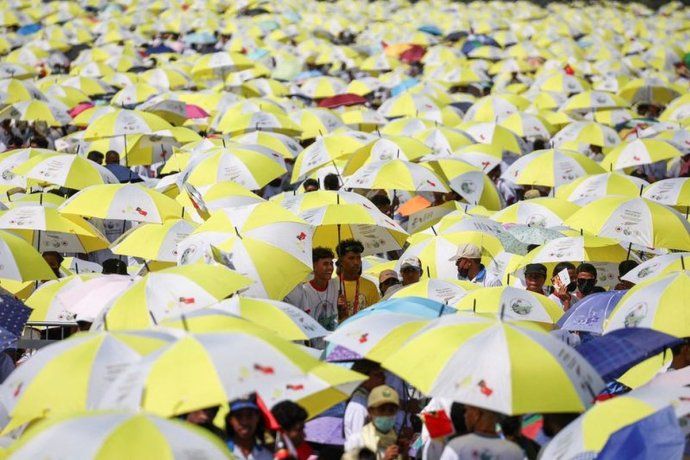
{"x": 240, "y": 404}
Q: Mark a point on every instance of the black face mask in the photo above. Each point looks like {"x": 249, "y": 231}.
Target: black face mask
{"x": 585, "y": 286}
{"x": 571, "y": 286}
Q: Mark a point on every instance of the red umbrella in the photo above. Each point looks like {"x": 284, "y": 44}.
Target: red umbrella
{"x": 79, "y": 108}
{"x": 414, "y": 53}
{"x": 194, "y": 111}
{"x": 342, "y": 100}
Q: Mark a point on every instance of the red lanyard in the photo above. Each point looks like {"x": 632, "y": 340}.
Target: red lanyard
{"x": 355, "y": 302}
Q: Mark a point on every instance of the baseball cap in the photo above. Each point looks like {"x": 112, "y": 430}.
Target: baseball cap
{"x": 467, "y": 251}
{"x": 240, "y": 404}
{"x": 387, "y": 275}
{"x": 411, "y": 262}
{"x": 383, "y": 394}
{"x": 537, "y": 269}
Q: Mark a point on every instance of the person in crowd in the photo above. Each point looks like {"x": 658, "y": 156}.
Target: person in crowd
{"x": 482, "y": 441}
{"x": 54, "y": 260}
{"x": 355, "y": 293}
{"x": 389, "y": 283}
{"x": 562, "y": 294}
{"x": 310, "y": 185}
{"x": 586, "y": 280}
{"x": 291, "y": 417}
{"x": 114, "y": 267}
{"x": 331, "y": 182}
{"x": 434, "y": 443}
{"x": 382, "y": 203}
{"x": 410, "y": 270}
{"x": 245, "y": 431}
{"x": 468, "y": 260}
{"x": 379, "y": 434}
{"x": 511, "y": 428}
{"x": 204, "y": 419}
{"x": 356, "y": 412}
{"x": 681, "y": 355}
{"x": 623, "y": 269}
{"x": 112, "y": 164}
{"x": 95, "y": 156}
{"x": 552, "y": 425}
{"x": 535, "y": 277}
{"x": 319, "y": 296}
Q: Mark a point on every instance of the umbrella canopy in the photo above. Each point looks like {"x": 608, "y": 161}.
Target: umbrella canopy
{"x": 507, "y": 385}
{"x": 110, "y": 435}
{"x": 551, "y": 168}
{"x": 590, "y": 313}
{"x": 66, "y": 170}
{"x": 395, "y": 175}
{"x": 154, "y": 241}
{"x": 512, "y": 304}
{"x": 634, "y": 221}
{"x": 122, "y": 202}
{"x": 659, "y": 303}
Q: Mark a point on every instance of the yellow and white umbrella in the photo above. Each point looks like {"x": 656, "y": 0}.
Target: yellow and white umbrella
{"x": 538, "y": 212}
{"x": 326, "y": 149}
{"x": 19, "y": 261}
{"x": 395, "y": 175}
{"x": 222, "y": 195}
{"x": 13, "y": 90}
{"x": 446, "y": 291}
{"x": 672, "y": 192}
{"x": 53, "y": 113}
{"x": 443, "y": 140}
{"x": 134, "y": 94}
{"x": 154, "y": 241}
{"x": 639, "y": 152}
{"x": 593, "y": 101}
{"x": 587, "y": 132}
{"x": 495, "y": 108}
{"x": 66, "y": 170}
{"x": 322, "y": 87}
{"x": 263, "y": 241}
{"x": 256, "y": 121}
{"x": 634, "y": 221}
{"x": 411, "y": 105}
{"x": 650, "y": 91}
{"x": 122, "y": 202}
{"x": 250, "y": 166}
{"x": 386, "y": 148}
{"x": 659, "y": 303}
{"x": 589, "y": 188}
{"x": 111, "y": 434}
{"x": 473, "y": 185}
{"x": 220, "y": 64}
{"x": 48, "y": 230}
{"x": 546, "y": 375}
{"x": 123, "y": 122}
{"x": 496, "y": 135}
{"x": 550, "y": 167}
{"x": 316, "y": 122}
{"x": 285, "y": 145}
{"x": 511, "y": 304}
{"x": 168, "y": 292}
{"x": 13, "y": 158}
{"x": 334, "y": 223}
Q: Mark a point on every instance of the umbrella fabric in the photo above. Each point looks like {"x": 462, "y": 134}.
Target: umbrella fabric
{"x": 617, "y": 351}
{"x": 13, "y": 314}
{"x": 590, "y": 313}
{"x": 119, "y": 435}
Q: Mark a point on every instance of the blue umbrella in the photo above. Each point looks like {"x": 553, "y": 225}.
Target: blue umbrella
{"x": 656, "y": 436}
{"x": 430, "y": 29}
{"x": 616, "y": 352}
{"x": 160, "y": 49}
{"x": 404, "y": 86}
{"x": 417, "y": 306}
{"x": 7, "y": 339}
{"x": 590, "y": 313}
{"x": 475, "y": 41}
{"x": 13, "y": 314}
{"x": 199, "y": 38}
{"x": 29, "y": 29}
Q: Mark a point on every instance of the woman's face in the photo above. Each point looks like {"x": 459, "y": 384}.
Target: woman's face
{"x": 244, "y": 422}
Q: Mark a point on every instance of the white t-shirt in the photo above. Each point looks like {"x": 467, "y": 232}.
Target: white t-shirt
{"x": 356, "y": 414}
{"x": 473, "y": 446}
{"x": 320, "y": 305}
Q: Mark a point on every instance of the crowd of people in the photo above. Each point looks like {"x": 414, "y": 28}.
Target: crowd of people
{"x": 394, "y": 202}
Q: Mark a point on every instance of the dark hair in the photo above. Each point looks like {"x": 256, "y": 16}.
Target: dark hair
{"x": 288, "y": 414}
{"x": 365, "y": 366}
{"x": 560, "y": 266}
{"x": 114, "y": 267}
{"x": 310, "y": 183}
{"x": 625, "y": 266}
{"x": 112, "y": 155}
{"x": 346, "y": 246}
{"x": 40, "y": 142}
{"x": 331, "y": 182}
{"x": 380, "y": 200}
{"x": 55, "y": 254}
{"x": 319, "y": 253}
{"x": 96, "y": 156}
{"x": 457, "y": 416}
{"x": 14, "y": 141}
{"x": 587, "y": 268}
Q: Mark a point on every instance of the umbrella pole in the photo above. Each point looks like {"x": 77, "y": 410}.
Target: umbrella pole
{"x": 682, "y": 262}
{"x": 629, "y": 248}
{"x": 124, "y": 136}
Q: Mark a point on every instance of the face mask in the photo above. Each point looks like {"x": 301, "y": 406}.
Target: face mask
{"x": 384, "y": 424}
{"x": 585, "y": 286}
{"x": 571, "y": 286}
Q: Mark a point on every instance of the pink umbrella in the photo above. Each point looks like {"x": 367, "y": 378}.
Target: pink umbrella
{"x": 194, "y": 111}
{"x": 79, "y": 108}
{"x": 87, "y": 299}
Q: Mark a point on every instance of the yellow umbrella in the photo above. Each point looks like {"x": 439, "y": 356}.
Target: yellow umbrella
{"x": 154, "y": 241}
{"x": 19, "y": 261}
{"x": 66, "y": 170}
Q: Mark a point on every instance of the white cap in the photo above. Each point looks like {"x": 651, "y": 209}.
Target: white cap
{"x": 467, "y": 251}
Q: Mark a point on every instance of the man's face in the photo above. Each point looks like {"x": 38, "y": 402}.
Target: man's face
{"x": 384, "y": 410}
{"x": 535, "y": 282}
{"x": 383, "y": 287}
{"x": 463, "y": 265}
{"x": 323, "y": 269}
{"x": 351, "y": 263}
{"x": 296, "y": 433}
{"x": 410, "y": 275}
{"x": 472, "y": 415}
